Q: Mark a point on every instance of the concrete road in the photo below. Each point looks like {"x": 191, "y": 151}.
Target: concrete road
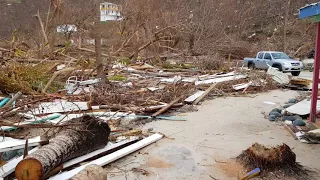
{"x": 203, "y": 147}
{"x": 306, "y": 75}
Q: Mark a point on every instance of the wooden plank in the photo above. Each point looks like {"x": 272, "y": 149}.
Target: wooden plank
{"x": 155, "y": 108}
{"x": 205, "y": 94}
{"x": 11, "y": 165}
{"x": 59, "y": 107}
{"x": 18, "y": 144}
{"x": 164, "y": 109}
{"x": 293, "y": 134}
{"x": 223, "y": 79}
{"x": 111, "y": 157}
{"x": 300, "y": 81}
{"x": 193, "y": 97}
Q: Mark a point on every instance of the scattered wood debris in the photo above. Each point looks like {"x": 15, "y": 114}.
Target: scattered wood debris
{"x": 53, "y": 96}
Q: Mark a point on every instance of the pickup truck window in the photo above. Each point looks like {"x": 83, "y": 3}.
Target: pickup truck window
{"x": 267, "y": 56}
{"x": 260, "y": 56}
{"x": 280, "y": 56}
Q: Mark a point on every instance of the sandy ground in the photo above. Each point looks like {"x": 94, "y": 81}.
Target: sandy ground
{"x": 200, "y": 147}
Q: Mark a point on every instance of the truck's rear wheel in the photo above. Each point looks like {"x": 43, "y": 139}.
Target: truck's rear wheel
{"x": 251, "y": 66}
{"x": 295, "y": 73}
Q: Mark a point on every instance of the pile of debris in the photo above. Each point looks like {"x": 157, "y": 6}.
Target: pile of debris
{"x": 294, "y": 116}
{"x": 51, "y": 104}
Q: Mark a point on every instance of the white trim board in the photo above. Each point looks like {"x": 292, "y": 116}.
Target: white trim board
{"x": 14, "y": 144}
{"x": 59, "y": 106}
{"x": 193, "y": 97}
{"x": 111, "y": 157}
{"x": 222, "y": 79}
{"x": 108, "y": 147}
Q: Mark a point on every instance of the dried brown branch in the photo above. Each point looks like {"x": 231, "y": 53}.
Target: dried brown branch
{"x": 42, "y": 27}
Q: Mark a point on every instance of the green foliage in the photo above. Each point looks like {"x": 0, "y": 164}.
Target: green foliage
{"x": 27, "y": 78}
{"x": 117, "y": 78}
{"x": 124, "y": 61}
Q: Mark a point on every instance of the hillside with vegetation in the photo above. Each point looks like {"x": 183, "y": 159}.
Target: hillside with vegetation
{"x": 219, "y": 28}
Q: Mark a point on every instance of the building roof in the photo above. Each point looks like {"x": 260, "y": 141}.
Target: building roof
{"x": 309, "y": 10}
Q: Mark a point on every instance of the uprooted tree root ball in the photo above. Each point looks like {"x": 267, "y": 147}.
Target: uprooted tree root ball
{"x": 280, "y": 159}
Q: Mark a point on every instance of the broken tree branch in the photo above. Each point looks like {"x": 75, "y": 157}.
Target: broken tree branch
{"x": 147, "y": 45}
{"x": 42, "y": 27}
{"x": 92, "y": 51}
{"x": 55, "y": 75}
{"x": 14, "y": 98}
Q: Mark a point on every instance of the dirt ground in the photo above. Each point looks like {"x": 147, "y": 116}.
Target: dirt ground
{"x": 203, "y": 146}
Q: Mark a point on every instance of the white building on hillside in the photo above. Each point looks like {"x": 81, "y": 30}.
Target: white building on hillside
{"x": 109, "y": 12}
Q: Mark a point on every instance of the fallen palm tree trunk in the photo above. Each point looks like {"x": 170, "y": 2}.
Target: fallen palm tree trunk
{"x": 68, "y": 144}
{"x": 275, "y": 159}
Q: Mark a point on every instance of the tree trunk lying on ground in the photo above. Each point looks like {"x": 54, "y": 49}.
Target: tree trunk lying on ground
{"x": 91, "y": 172}
{"x": 68, "y": 144}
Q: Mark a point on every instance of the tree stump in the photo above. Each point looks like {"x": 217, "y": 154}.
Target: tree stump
{"x": 69, "y": 143}
{"x": 91, "y": 172}
{"x": 268, "y": 158}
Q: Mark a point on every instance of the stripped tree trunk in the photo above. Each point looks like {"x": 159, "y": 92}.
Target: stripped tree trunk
{"x": 70, "y": 143}
{"x": 91, "y": 172}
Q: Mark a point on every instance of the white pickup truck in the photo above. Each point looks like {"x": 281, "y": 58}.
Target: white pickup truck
{"x": 274, "y": 59}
